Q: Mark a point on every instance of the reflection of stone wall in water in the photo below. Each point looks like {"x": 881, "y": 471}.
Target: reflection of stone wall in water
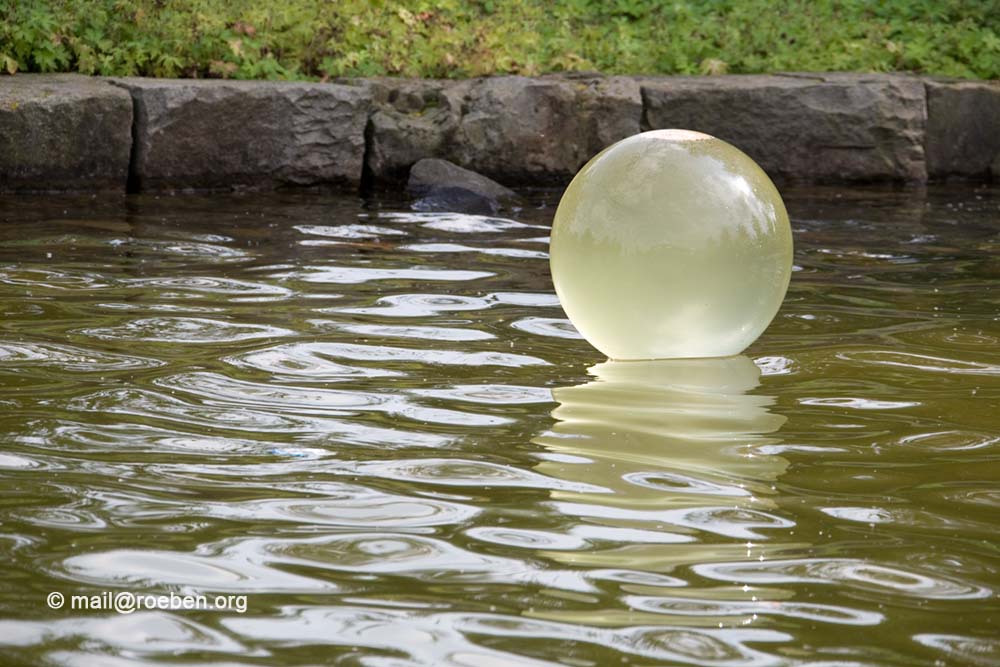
{"x": 669, "y": 434}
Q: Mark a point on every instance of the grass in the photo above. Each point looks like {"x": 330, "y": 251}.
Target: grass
{"x": 320, "y": 39}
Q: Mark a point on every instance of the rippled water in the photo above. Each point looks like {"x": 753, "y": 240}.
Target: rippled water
{"x": 378, "y": 426}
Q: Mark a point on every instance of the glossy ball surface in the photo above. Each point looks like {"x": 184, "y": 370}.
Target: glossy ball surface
{"x": 671, "y": 244}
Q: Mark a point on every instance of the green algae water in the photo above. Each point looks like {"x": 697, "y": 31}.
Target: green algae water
{"x": 365, "y": 436}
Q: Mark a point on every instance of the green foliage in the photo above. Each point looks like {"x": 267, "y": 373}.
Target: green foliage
{"x": 319, "y": 39}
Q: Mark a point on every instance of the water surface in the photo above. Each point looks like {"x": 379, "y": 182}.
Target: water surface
{"x": 379, "y": 427}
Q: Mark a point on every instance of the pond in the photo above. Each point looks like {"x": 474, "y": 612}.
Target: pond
{"x": 368, "y": 436}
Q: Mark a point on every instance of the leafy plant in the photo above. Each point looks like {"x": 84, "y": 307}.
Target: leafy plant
{"x": 322, "y": 39}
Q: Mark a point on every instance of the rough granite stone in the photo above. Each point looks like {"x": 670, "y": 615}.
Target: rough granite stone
{"x": 413, "y": 119}
{"x": 518, "y": 129}
{"x": 963, "y": 129}
{"x": 199, "y": 134}
{"x": 63, "y": 132}
{"x": 543, "y": 130}
{"x": 803, "y": 127}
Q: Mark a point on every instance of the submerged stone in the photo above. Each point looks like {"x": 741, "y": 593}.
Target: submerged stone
{"x": 443, "y": 186}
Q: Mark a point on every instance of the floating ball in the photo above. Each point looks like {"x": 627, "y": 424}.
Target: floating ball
{"x": 671, "y": 244}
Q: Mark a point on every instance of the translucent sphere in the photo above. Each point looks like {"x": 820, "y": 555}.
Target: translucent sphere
{"x": 671, "y": 244}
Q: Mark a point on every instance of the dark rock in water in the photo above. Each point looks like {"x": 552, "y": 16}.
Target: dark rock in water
{"x": 431, "y": 173}
{"x": 456, "y": 200}
{"x": 443, "y": 186}
{"x": 63, "y": 132}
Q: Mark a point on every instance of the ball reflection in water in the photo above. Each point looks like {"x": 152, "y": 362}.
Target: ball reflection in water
{"x": 671, "y": 244}
{"x": 657, "y": 464}
{"x": 666, "y": 433}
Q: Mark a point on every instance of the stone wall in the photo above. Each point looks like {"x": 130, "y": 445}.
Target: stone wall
{"x": 75, "y": 133}
{"x": 63, "y": 133}
{"x": 832, "y": 128}
{"x": 222, "y": 134}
